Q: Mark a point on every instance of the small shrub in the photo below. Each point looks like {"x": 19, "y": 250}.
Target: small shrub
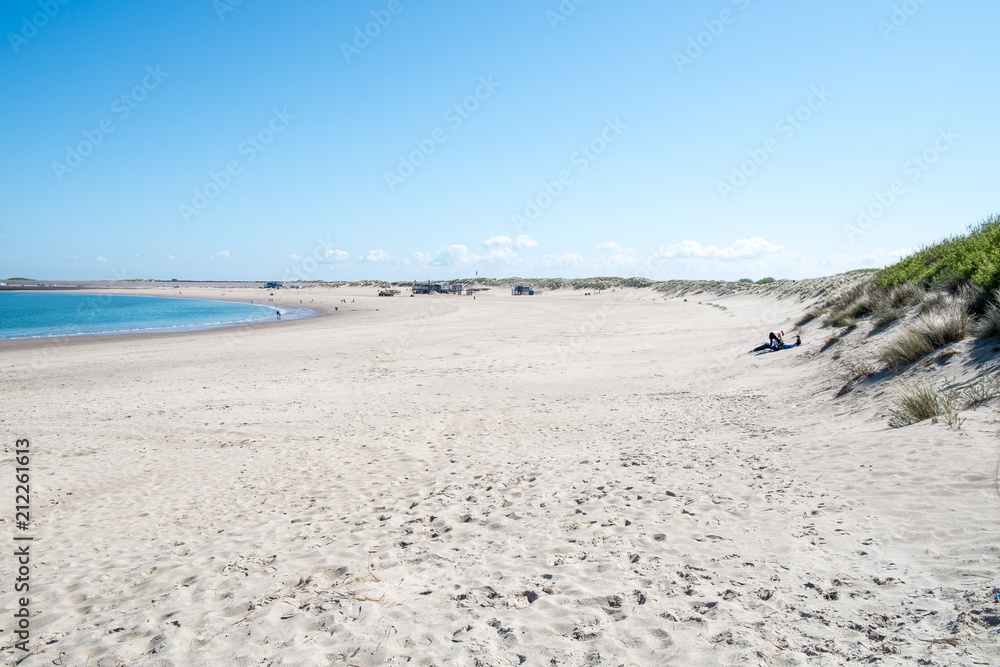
{"x": 745, "y": 280}
{"x": 765, "y": 281}
{"x": 988, "y": 324}
{"x": 982, "y": 390}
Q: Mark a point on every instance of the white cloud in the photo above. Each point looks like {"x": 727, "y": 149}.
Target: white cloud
{"x": 454, "y": 254}
{"x": 524, "y": 241}
{"x": 610, "y": 245}
{"x": 222, "y": 254}
{"x": 870, "y": 259}
{"x": 171, "y": 257}
{"x": 569, "y": 259}
{"x": 459, "y": 255}
{"x": 102, "y": 260}
{"x": 336, "y": 255}
{"x": 741, "y": 249}
{"x": 619, "y": 261}
{"x": 376, "y": 256}
{"x": 500, "y": 255}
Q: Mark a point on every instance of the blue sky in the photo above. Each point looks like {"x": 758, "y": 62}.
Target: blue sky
{"x": 253, "y": 139}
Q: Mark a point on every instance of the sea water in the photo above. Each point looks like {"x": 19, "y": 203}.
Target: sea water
{"x": 47, "y": 314}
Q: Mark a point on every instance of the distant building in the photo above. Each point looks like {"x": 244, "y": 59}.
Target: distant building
{"x": 523, "y": 290}
{"x": 443, "y": 288}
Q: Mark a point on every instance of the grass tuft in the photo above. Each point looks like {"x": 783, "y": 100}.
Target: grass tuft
{"x": 930, "y": 332}
{"x": 945, "y": 326}
{"x": 907, "y": 294}
{"x": 905, "y": 348}
{"x": 982, "y": 390}
{"x": 915, "y": 403}
{"x": 809, "y": 316}
{"x": 988, "y": 325}
{"x": 885, "y": 315}
{"x": 853, "y": 370}
{"x": 921, "y": 401}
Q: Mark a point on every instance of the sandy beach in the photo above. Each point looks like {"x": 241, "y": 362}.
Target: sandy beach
{"x": 566, "y": 479}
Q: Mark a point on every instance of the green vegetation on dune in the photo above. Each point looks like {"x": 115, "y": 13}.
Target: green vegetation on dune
{"x": 970, "y": 258}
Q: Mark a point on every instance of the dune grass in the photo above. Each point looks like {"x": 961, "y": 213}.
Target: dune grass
{"x": 921, "y": 401}
{"x": 982, "y": 390}
{"x": 904, "y": 349}
{"x": 853, "y": 370}
{"x": 917, "y": 402}
{"x": 934, "y": 330}
{"x": 970, "y": 258}
{"x": 988, "y": 324}
{"x": 809, "y": 316}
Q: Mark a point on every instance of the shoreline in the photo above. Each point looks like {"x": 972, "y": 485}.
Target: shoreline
{"x": 67, "y": 339}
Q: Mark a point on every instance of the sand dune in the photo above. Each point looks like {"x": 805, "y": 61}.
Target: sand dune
{"x": 557, "y": 480}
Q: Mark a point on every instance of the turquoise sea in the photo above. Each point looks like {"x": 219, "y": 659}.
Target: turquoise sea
{"x": 47, "y": 314}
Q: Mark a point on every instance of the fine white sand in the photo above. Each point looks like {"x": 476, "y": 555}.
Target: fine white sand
{"x": 552, "y": 480}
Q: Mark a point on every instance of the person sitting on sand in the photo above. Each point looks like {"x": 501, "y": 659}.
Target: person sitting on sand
{"x": 776, "y": 343}
{"x": 786, "y": 346}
